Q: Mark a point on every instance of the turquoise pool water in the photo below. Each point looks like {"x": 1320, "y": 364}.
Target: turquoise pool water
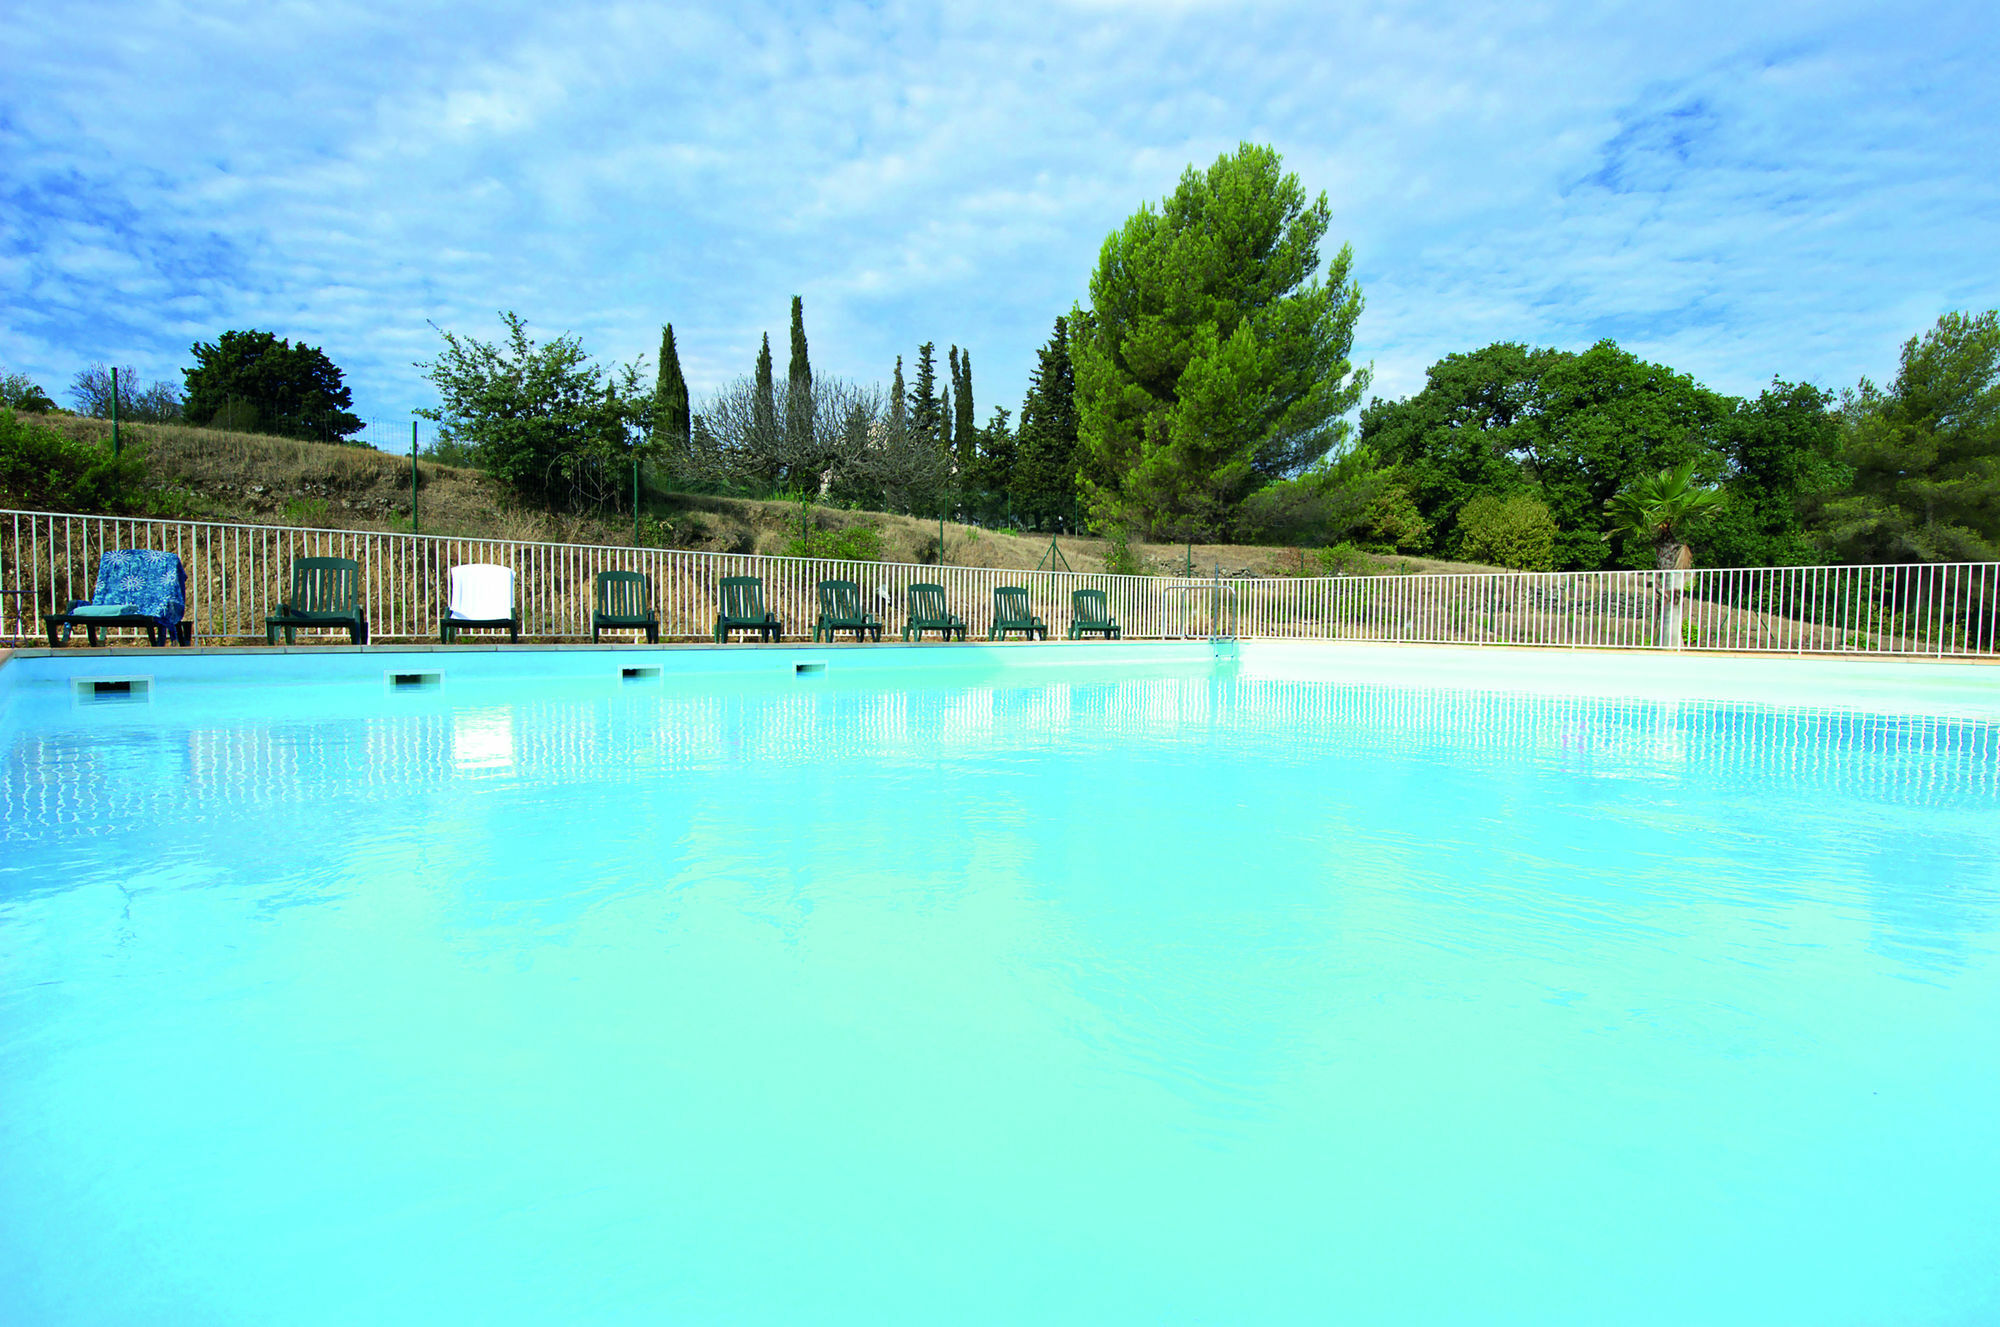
{"x": 1169, "y": 994}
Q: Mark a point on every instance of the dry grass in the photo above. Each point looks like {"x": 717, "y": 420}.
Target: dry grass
{"x": 262, "y": 480}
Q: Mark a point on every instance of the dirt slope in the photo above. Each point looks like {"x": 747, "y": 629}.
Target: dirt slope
{"x": 255, "y": 479}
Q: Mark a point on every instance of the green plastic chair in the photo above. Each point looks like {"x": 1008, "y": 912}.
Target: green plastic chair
{"x": 1090, "y": 615}
{"x": 741, "y": 608}
{"x": 930, "y": 612}
{"x": 326, "y": 593}
{"x": 1012, "y": 612}
{"x": 840, "y": 610}
{"x": 623, "y": 601}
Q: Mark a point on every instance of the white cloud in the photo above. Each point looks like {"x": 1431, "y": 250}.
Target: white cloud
{"x": 1739, "y": 193}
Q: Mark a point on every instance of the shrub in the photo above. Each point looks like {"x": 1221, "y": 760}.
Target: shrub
{"x": 857, "y": 543}
{"x": 1119, "y": 559}
{"x": 41, "y": 470}
{"x": 1516, "y": 532}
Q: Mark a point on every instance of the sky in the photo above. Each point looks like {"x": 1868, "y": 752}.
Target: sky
{"x": 1740, "y": 190}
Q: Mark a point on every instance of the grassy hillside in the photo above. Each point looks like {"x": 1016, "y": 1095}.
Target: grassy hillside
{"x": 256, "y": 479}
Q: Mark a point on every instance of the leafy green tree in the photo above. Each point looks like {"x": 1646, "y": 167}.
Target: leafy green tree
{"x": 1926, "y": 453}
{"x": 1514, "y": 531}
{"x": 1463, "y": 435}
{"x": 20, "y": 392}
{"x": 1043, "y": 479}
{"x": 1783, "y": 461}
{"x": 260, "y": 382}
{"x": 1573, "y": 429}
{"x": 1605, "y": 420}
{"x": 669, "y": 421}
{"x": 543, "y": 418}
{"x": 1213, "y": 357}
{"x": 1351, "y": 498}
{"x": 993, "y": 471}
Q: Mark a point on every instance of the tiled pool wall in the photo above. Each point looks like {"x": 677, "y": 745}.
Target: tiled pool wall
{"x": 1914, "y": 686}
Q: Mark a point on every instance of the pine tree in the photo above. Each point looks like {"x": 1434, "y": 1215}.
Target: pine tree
{"x": 1044, "y": 480}
{"x": 670, "y": 398}
{"x": 964, "y": 432}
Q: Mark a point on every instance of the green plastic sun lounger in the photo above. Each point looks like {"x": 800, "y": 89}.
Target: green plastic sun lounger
{"x": 840, "y": 610}
{"x": 624, "y": 602}
{"x": 930, "y": 612}
{"x": 1012, "y": 612}
{"x": 326, "y": 593}
{"x": 741, "y": 608}
{"x": 1090, "y": 615}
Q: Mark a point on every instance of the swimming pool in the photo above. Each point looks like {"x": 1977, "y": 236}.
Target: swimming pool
{"x": 1158, "y": 983}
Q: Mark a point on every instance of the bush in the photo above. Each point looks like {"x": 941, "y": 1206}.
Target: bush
{"x": 1119, "y": 559}
{"x": 41, "y": 470}
{"x": 1516, "y": 532}
{"x": 857, "y": 543}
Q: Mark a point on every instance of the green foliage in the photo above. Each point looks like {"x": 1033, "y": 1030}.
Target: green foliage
{"x": 542, "y": 418}
{"x": 305, "y": 511}
{"x": 1515, "y": 531}
{"x": 1463, "y": 435}
{"x": 926, "y": 416}
{"x": 856, "y": 543}
{"x": 1573, "y": 429}
{"x": 294, "y": 391}
{"x": 669, "y": 421}
{"x": 1658, "y": 509}
{"x": 1351, "y": 497}
{"x": 1042, "y": 481}
{"x": 1119, "y": 559}
{"x": 1783, "y": 453}
{"x": 1926, "y": 453}
{"x": 20, "y": 392}
{"x": 42, "y": 470}
{"x": 1344, "y": 559}
{"x": 964, "y": 432}
{"x": 1213, "y": 358}
{"x": 799, "y": 387}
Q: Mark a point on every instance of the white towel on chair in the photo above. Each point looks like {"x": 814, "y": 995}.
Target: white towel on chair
{"x": 481, "y": 592}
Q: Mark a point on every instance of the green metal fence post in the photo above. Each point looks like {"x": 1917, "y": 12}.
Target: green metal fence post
{"x": 114, "y": 413}
{"x": 635, "y": 500}
{"x": 414, "y": 529}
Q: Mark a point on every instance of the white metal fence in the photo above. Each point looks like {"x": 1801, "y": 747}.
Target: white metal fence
{"x": 239, "y": 573}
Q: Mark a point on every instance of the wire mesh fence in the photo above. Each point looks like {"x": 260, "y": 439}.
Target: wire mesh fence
{"x": 238, "y": 575}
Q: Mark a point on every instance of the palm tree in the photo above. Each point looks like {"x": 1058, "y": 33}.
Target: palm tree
{"x": 1660, "y": 509}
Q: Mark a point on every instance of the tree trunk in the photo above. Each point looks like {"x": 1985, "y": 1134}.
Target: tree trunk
{"x": 1672, "y": 558}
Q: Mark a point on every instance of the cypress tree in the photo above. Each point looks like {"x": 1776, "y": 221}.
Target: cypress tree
{"x": 764, "y": 407}
{"x": 944, "y": 425}
{"x": 965, "y": 432}
{"x": 670, "y": 397}
{"x": 799, "y": 396}
{"x": 899, "y": 418}
{"x": 923, "y": 396}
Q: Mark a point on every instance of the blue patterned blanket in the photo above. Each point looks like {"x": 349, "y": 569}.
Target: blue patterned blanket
{"x": 154, "y": 584}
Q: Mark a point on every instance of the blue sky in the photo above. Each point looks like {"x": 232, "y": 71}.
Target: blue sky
{"x": 1738, "y": 190}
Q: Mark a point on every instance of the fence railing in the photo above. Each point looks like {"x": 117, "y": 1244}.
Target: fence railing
{"x": 239, "y": 573}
